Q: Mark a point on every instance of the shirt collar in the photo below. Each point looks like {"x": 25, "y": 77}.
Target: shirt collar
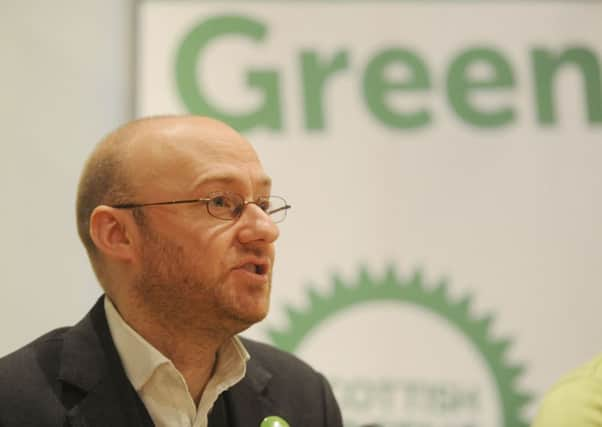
{"x": 140, "y": 359}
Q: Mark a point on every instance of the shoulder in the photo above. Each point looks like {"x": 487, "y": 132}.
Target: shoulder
{"x": 276, "y": 359}
{"x": 301, "y": 391}
{"x": 29, "y": 375}
{"x": 286, "y": 369}
{"x": 31, "y": 370}
{"x": 575, "y": 400}
{"x": 42, "y": 353}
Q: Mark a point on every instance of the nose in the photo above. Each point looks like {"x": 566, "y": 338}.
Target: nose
{"x": 256, "y": 226}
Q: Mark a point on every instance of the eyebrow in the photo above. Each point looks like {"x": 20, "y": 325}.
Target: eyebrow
{"x": 265, "y": 180}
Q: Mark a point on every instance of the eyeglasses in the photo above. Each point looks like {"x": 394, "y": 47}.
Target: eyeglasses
{"x": 226, "y": 206}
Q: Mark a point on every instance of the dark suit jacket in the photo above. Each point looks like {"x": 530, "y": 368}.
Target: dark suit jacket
{"x": 74, "y": 377}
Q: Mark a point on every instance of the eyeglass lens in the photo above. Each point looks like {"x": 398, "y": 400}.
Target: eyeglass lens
{"x": 230, "y": 206}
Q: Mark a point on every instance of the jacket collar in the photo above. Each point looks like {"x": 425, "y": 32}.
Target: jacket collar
{"x": 83, "y": 359}
{"x": 90, "y": 363}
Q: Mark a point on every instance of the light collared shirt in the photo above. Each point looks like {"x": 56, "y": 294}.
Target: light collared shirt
{"x": 161, "y": 386}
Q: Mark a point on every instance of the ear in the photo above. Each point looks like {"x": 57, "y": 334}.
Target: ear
{"x": 112, "y": 232}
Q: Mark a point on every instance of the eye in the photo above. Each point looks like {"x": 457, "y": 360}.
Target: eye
{"x": 225, "y": 205}
{"x": 220, "y": 202}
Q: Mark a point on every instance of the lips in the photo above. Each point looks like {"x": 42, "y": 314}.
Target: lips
{"x": 254, "y": 266}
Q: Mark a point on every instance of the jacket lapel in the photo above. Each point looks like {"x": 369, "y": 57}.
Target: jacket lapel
{"x": 100, "y": 407}
{"x": 101, "y": 394}
{"x": 248, "y": 402}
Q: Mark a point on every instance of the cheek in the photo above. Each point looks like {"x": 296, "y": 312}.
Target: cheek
{"x": 212, "y": 256}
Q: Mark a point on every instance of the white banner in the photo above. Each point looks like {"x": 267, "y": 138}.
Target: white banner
{"x": 442, "y": 160}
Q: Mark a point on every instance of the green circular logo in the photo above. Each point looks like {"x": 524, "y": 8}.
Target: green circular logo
{"x": 434, "y": 299}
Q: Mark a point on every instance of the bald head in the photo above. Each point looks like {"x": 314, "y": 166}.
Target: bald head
{"x": 143, "y": 151}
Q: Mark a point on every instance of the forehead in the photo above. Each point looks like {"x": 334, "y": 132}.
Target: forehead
{"x": 195, "y": 153}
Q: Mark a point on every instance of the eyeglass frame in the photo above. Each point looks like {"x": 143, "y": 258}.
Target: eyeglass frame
{"x": 205, "y": 200}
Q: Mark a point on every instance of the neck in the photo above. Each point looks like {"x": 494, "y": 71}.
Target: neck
{"x": 196, "y": 362}
{"x": 192, "y": 349}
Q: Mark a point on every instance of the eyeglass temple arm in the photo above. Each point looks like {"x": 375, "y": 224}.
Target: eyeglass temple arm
{"x": 177, "y": 202}
{"x": 283, "y": 208}
{"x": 141, "y": 205}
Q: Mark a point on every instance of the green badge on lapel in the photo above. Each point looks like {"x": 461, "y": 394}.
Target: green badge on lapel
{"x": 273, "y": 421}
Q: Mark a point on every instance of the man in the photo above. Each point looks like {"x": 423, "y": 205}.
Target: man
{"x": 576, "y": 400}
{"x": 179, "y": 223}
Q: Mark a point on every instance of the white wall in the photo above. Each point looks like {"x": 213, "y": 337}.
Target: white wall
{"x": 65, "y": 78}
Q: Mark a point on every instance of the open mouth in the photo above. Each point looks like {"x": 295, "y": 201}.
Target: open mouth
{"x": 255, "y": 268}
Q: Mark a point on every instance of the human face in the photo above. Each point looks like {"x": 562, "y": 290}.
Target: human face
{"x": 196, "y": 269}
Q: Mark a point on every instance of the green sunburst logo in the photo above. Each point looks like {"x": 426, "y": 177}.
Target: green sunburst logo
{"x": 434, "y": 299}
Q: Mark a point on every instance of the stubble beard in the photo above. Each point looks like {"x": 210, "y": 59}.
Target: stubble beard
{"x": 178, "y": 298}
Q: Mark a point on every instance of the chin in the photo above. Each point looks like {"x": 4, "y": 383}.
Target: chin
{"x": 246, "y": 305}
{"x": 248, "y": 314}
{"x": 257, "y": 313}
